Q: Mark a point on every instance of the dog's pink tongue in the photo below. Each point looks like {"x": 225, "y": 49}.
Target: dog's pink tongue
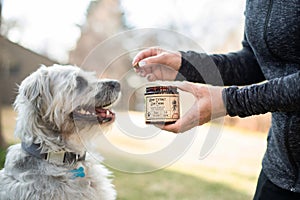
{"x": 104, "y": 113}
{"x": 101, "y": 112}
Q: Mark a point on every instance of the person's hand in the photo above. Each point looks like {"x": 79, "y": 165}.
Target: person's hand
{"x": 208, "y": 105}
{"x": 157, "y": 64}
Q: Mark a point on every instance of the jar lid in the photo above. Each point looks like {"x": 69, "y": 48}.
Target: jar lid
{"x": 161, "y": 90}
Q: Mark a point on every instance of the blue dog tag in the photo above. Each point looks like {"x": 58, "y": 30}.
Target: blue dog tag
{"x": 78, "y": 173}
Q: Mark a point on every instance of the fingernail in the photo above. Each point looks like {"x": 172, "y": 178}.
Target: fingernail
{"x": 142, "y": 63}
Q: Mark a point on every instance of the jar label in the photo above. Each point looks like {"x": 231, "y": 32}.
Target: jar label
{"x": 162, "y": 108}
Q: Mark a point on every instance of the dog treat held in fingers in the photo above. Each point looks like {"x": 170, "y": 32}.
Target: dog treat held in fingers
{"x": 136, "y": 65}
{"x": 60, "y": 111}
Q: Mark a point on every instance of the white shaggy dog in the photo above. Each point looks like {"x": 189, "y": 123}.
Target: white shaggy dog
{"x": 59, "y": 111}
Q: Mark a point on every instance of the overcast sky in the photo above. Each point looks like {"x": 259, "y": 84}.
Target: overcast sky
{"x": 50, "y": 26}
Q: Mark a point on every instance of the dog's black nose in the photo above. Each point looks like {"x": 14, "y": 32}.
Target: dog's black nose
{"x": 114, "y": 85}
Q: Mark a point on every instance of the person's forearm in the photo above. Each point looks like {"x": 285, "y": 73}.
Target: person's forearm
{"x": 238, "y": 68}
{"x": 276, "y": 95}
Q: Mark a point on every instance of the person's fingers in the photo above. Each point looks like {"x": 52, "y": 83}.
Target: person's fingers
{"x": 140, "y": 56}
{"x": 157, "y": 64}
{"x": 145, "y": 65}
{"x": 197, "y": 89}
{"x": 186, "y": 86}
{"x": 149, "y": 67}
{"x": 141, "y": 72}
{"x": 186, "y": 122}
{"x": 179, "y": 127}
{"x": 151, "y": 77}
{"x": 153, "y": 51}
{"x": 158, "y": 59}
{"x": 174, "y": 128}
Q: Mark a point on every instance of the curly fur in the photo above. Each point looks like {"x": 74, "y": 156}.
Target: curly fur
{"x": 45, "y": 103}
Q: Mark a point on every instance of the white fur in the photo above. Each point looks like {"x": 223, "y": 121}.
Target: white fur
{"x": 44, "y": 105}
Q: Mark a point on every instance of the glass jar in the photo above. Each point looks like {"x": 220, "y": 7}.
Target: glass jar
{"x": 161, "y": 105}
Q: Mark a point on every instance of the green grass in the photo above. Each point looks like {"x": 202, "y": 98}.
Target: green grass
{"x": 167, "y": 184}
{"x": 2, "y": 157}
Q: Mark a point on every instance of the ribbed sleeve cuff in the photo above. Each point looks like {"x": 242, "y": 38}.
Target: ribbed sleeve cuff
{"x": 229, "y": 96}
{"x": 247, "y": 101}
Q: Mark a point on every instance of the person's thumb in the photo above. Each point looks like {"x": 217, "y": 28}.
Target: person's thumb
{"x": 150, "y": 61}
{"x": 185, "y": 86}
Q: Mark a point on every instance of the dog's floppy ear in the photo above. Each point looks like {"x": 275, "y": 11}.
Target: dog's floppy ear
{"x": 35, "y": 85}
{"x": 29, "y": 104}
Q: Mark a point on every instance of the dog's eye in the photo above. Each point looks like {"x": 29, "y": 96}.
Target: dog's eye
{"x": 81, "y": 82}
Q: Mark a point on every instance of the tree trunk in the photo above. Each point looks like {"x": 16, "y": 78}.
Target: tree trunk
{"x": 3, "y": 143}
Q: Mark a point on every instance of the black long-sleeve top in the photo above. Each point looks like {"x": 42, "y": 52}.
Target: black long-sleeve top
{"x": 269, "y": 66}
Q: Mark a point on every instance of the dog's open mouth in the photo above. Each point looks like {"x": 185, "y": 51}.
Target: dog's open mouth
{"x": 90, "y": 114}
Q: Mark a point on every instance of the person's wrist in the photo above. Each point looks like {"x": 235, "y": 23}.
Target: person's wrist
{"x": 182, "y": 59}
{"x": 180, "y": 76}
{"x": 178, "y": 60}
{"x": 223, "y": 93}
{"x": 218, "y": 103}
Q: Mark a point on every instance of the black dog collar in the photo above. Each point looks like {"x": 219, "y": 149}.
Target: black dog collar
{"x": 59, "y": 158}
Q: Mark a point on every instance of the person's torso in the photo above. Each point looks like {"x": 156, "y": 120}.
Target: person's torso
{"x": 273, "y": 31}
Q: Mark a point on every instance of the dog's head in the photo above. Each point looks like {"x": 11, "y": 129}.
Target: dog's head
{"x": 57, "y": 104}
